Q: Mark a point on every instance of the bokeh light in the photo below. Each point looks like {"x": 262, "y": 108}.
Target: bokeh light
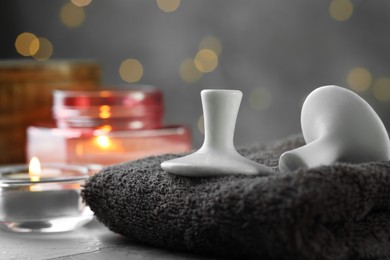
{"x": 45, "y": 49}
{"x": 131, "y": 70}
{"x": 382, "y": 89}
{"x": 103, "y": 141}
{"x": 201, "y": 124}
{"x": 72, "y": 15}
{"x": 206, "y": 60}
{"x": 260, "y": 99}
{"x": 137, "y": 96}
{"x": 105, "y": 111}
{"x": 211, "y": 43}
{"x": 106, "y": 128}
{"x": 359, "y": 79}
{"x": 81, "y": 2}
{"x": 168, "y": 5}
{"x": 341, "y": 10}
{"x": 188, "y": 71}
{"x": 27, "y": 44}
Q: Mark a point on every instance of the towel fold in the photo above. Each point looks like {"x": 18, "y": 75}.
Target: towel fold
{"x": 332, "y": 212}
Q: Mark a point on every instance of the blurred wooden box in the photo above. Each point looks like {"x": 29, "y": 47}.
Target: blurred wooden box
{"x": 26, "y": 97}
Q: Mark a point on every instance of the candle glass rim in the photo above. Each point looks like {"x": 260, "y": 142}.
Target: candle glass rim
{"x": 109, "y": 91}
{"x": 79, "y": 172}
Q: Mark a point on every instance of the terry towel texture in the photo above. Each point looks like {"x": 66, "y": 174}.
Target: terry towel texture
{"x": 336, "y": 212}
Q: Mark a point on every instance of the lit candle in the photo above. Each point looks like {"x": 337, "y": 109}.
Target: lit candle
{"x": 42, "y": 199}
{"x": 106, "y": 127}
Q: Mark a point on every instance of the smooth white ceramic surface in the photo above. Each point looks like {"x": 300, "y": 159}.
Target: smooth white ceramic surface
{"x": 217, "y": 156}
{"x": 338, "y": 126}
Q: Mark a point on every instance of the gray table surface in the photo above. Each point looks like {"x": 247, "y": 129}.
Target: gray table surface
{"x": 93, "y": 241}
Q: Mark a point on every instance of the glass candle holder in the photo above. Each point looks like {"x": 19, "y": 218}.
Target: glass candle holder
{"x": 106, "y": 127}
{"x": 49, "y": 202}
{"x": 109, "y": 110}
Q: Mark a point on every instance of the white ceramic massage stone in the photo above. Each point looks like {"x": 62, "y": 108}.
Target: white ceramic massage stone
{"x": 338, "y": 126}
{"x": 217, "y": 156}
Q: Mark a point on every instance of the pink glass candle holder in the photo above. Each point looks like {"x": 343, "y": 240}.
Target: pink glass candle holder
{"x": 115, "y": 109}
{"x": 106, "y": 127}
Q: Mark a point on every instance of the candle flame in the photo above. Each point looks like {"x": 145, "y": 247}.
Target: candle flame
{"x": 105, "y": 111}
{"x": 34, "y": 169}
{"x": 106, "y": 128}
{"x": 103, "y": 141}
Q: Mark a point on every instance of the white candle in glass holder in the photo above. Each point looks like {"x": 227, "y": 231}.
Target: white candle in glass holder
{"x": 43, "y": 199}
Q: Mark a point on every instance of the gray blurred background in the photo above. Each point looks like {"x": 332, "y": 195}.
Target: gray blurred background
{"x": 274, "y": 51}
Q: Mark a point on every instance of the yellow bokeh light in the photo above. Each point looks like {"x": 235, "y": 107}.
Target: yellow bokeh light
{"x": 35, "y": 46}
{"x": 131, "y": 70}
{"x": 382, "y": 89}
{"x": 72, "y": 15}
{"x": 359, "y": 79}
{"x": 45, "y": 49}
{"x": 81, "y": 2}
{"x": 201, "y": 124}
{"x": 103, "y": 141}
{"x": 26, "y": 44}
{"x": 188, "y": 71}
{"x": 260, "y": 99}
{"x": 168, "y": 5}
{"x": 341, "y": 10}
{"x": 104, "y": 111}
{"x": 211, "y": 43}
{"x": 106, "y": 128}
{"x": 206, "y": 60}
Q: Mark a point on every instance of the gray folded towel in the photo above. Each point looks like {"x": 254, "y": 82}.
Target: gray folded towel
{"x": 335, "y": 212}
